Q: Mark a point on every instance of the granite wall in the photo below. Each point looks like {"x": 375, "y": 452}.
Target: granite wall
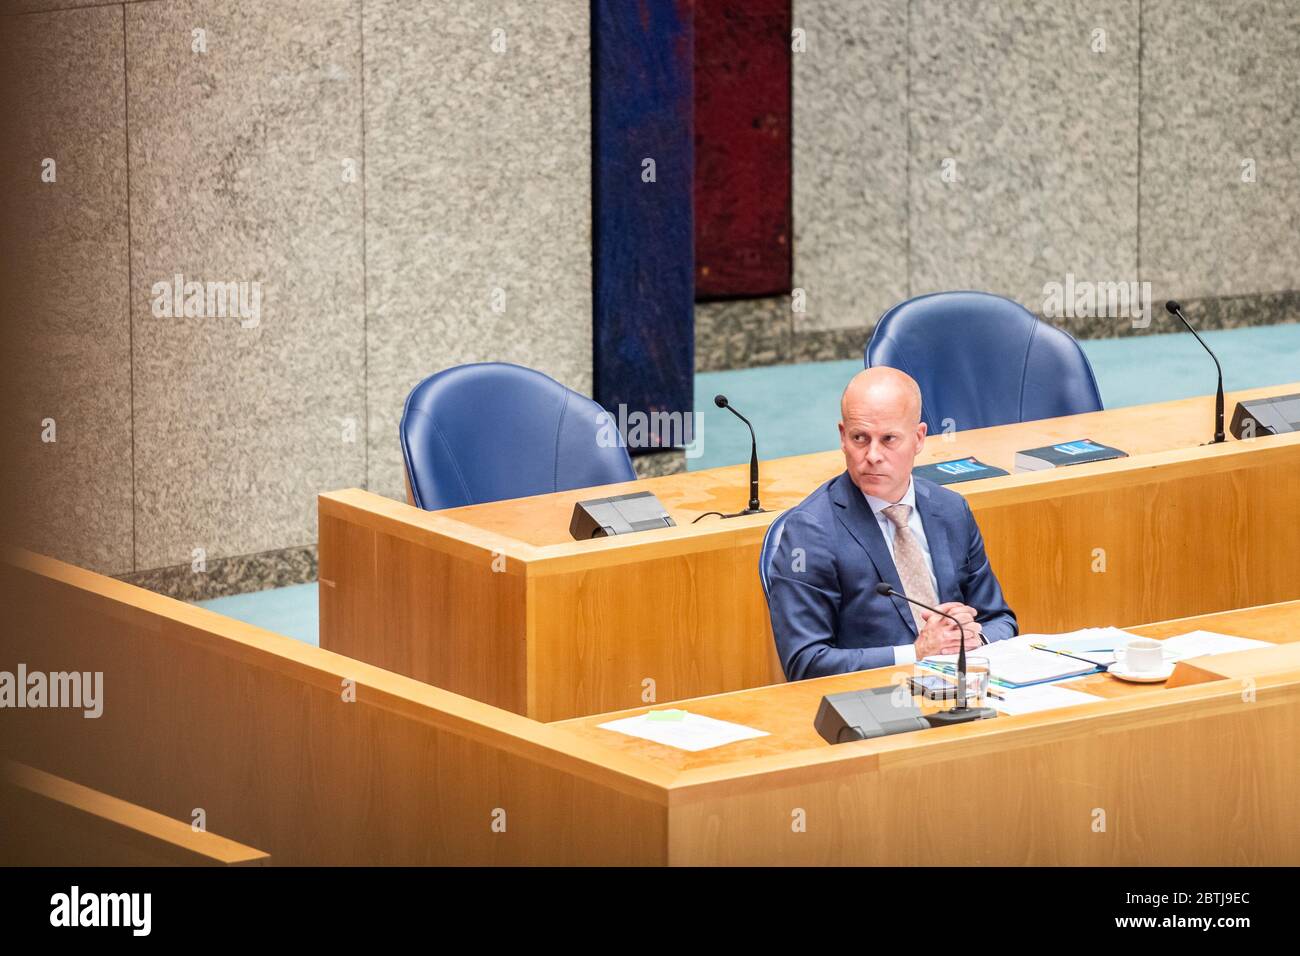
{"x": 364, "y": 192}
{"x": 1002, "y": 146}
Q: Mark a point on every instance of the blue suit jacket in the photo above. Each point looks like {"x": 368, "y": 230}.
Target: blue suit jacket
{"x": 826, "y": 615}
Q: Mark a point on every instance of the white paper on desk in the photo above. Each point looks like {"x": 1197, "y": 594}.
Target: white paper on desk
{"x": 1099, "y": 638}
{"x": 1031, "y": 700}
{"x": 1014, "y": 661}
{"x": 1207, "y": 643}
{"x": 1097, "y": 644}
{"x": 693, "y": 732}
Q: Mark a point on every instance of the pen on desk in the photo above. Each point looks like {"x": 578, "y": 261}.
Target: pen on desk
{"x": 1043, "y": 647}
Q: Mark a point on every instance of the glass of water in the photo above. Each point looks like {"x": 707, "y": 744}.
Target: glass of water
{"x": 977, "y": 681}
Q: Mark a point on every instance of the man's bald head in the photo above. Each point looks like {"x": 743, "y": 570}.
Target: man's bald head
{"x": 881, "y": 392}
{"x": 881, "y": 431}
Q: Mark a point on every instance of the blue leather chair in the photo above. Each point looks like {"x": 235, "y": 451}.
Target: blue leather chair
{"x": 983, "y": 360}
{"x": 491, "y": 431}
{"x": 771, "y": 540}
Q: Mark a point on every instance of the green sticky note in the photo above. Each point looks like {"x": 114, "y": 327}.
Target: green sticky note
{"x": 665, "y": 715}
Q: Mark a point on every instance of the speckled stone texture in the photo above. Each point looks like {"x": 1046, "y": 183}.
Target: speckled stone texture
{"x": 827, "y": 345}
{"x": 742, "y": 333}
{"x": 850, "y": 160}
{"x": 659, "y": 463}
{"x": 64, "y": 303}
{"x": 238, "y": 159}
{"x": 745, "y": 333}
{"x": 1220, "y": 86}
{"x": 748, "y": 333}
{"x": 478, "y": 179}
{"x": 37, "y": 6}
{"x": 234, "y": 575}
{"x": 1042, "y": 135}
{"x": 1230, "y": 312}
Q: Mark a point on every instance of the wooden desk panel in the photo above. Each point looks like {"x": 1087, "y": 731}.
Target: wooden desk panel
{"x": 204, "y": 711}
{"x": 312, "y": 757}
{"x": 587, "y": 627}
{"x": 786, "y": 710}
{"x": 1149, "y": 776}
{"x": 1183, "y": 782}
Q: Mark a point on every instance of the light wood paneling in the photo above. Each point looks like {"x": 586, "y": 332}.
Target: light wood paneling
{"x": 592, "y": 642}
{"x": 1190, "y": 531}
{"x": 1213, "y": 788}
{"x": 493, "y": 598}
{"x": 203, "y": 711}
{"x": 456, "y": 612}
{"x": 1176, "y": 776}
{"x": 786, "y": 710}
{"x": 50, "y": 821}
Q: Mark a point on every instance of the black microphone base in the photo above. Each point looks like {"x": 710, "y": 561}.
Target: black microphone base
{"x": 747, "y": 511}
{"x": 965, "y": 715}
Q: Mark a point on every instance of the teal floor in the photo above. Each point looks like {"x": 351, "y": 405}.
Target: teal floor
{"x": 795, "y": 409}
{"x": 290, "y": 611}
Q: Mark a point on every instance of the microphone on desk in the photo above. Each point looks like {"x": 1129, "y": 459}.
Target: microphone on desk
{"x": 754, "y": 507}
{"x": 1173, "y": 308}
{"x": 961, "y": 713}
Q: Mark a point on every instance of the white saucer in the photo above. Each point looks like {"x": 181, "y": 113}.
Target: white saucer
{"x": 1142, "y": 677}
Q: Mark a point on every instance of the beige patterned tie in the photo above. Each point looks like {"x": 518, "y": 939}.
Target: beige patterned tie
{"x": 910, "y": 561}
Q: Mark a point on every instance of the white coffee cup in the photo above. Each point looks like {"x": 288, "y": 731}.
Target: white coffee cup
{"x": 1143, "y": 656}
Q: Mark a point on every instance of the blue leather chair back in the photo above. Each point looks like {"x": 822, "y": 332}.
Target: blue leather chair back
{"x": 771, "y": 541}
{"x": 983, "y": 360}
{"x": 491, "y": 431}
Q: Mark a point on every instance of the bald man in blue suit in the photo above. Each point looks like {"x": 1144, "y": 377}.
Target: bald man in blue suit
{"x": 877, "y": 523}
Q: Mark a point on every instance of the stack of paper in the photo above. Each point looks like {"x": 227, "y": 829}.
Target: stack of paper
{"x": 1016, "y": 662}
{"x": 1096, "y": 644}
{"x": 1040, "y": 658}
{"x": 682, "y": 729}
{"x": 1206, "y": 644}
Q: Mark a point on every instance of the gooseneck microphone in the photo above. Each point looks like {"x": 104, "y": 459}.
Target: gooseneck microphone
{"x": 754, "y": 506}
{"x": 1173, "y": 308}
{"x": 962, "y": 713}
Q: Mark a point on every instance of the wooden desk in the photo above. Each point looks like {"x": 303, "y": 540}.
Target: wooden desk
{"x": 318, "y": 759}
{"x": 1177, "y": 775}
{"x": 496, "y": 602}
{"x": 786, "y": 710}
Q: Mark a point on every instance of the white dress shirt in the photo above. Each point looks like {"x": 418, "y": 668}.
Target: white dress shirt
{"x": 904, "y": 653}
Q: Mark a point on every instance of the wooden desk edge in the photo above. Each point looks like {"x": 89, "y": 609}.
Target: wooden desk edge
{"x": 389, "y": 691}
{"x": 946, "y": 743}
{"x": 984, "y": 493}
{"x": 456, "y": 537}
{"x": 811, "y": 764}
{"x": 130, "y": 816}
{"x": 428, "y": 528}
